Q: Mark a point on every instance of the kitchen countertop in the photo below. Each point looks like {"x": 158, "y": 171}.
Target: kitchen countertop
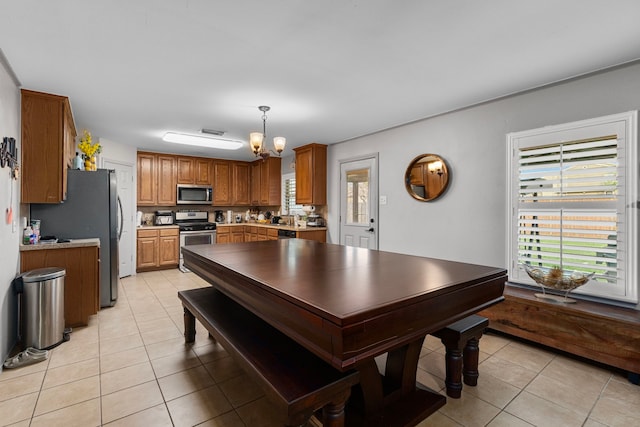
{"x": 278, "y": 227}
{"x": 241, "y": 224}
{"x": 151, "y": 227}
{"x": 73, "y": 243}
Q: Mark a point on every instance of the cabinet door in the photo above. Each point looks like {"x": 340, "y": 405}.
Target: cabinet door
{"x": 147, "y": 178}
{"x": 221, "y": 182}
{"x": 168, "y": 250}
{"x": 166, "y": 180}
{"x": 270, "y": 182}
{"x": 311, "y": 174}
{"x": 241, "y": 182}
{"x": 44, "y": 150}
{"x": 81, "y": 282}
{"x": 203, "y": 171}
{"x": 147, "y": 256}
{"x": 237, "y": 236}
{"x": 222, "y": 238}
{"x": 256, "y": 176}
{"x": 186, "y": 170}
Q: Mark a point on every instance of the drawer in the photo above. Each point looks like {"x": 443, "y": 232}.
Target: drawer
{"x": 148, "y": 233}
{"x": 223, "y": 230}
{"x": 262, "y": 231}
{"x": 272, "y": 232}
{"x": 169, "y": 232}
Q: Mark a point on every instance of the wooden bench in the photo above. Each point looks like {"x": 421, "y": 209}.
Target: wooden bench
{"x": 295, "y": 380}
{"x": 461, "y": 342}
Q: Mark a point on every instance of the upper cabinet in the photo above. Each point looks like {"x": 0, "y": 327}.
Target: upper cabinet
{"x": 48, "y": 146}
{"x": 240, "y": 179}
{"x": 157, "y": 179}
{"x": 311, "y": 174}
{"x": 266, "y": 182}
{"x": 235, "y": 183}
{"x": 221, "y": 182}
{"x": 194, "y": 170}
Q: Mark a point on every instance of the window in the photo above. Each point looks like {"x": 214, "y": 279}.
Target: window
{"x": 573, "y": 197}
{"x": 289, "y": 206}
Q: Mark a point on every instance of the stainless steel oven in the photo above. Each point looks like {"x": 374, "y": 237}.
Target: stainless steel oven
{"x": 200, "y": 237}
{"x": 194, "y": 230}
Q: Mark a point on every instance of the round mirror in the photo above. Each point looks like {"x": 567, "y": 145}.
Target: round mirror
{"x": 427, "y": 177}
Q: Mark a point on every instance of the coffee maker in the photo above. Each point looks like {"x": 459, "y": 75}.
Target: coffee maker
{"x": 219, "y": 216}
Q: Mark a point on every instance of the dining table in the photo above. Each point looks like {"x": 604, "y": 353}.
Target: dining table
{"x": 349, "y": 305}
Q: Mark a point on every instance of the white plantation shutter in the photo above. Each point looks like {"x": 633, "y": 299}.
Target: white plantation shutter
{"x": 569, "y": 190}
{"x": 289, "y": 194}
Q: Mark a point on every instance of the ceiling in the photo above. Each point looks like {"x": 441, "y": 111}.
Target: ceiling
{"x": 330, "y": 70}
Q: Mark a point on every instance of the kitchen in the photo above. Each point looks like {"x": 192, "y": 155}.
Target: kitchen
{"x": 406, "y": 226}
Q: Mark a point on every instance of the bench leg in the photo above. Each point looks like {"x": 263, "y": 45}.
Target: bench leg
{"x": 189, "y": 326}
{"x": 333, "y": 413}
{"x": 470, "y": 355}
{"x": 453, "y": 380}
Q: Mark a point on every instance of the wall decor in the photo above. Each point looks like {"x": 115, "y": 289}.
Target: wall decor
{"x": 427, "y": 177}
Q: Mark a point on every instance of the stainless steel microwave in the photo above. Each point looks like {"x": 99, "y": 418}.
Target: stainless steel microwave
{"x": 194, "y": 194}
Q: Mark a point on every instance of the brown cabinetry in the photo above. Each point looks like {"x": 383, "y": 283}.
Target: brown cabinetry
{"x": 311, "y": 174}
{"x": 81, "y": 281}
{"x": 156, "y": 179}
{"x": 221, "y": 182}
{"x": 317, "y": 235}
{"x": 266, "y": 182}
{"x": 229, "y": 234}
{"x": 240, "y": 179}
{"x": 48, "y": 146}
{"x": 186, "y": 170}
{"x": 193, "y": 170}
{"x": 157, "y": 248}
{"x": 223, "y": 234}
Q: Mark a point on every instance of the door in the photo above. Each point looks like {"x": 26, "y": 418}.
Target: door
{"x": 359, "y": 202}
{"x": 124, "y": 173}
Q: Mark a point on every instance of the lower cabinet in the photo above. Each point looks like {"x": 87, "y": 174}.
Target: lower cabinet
{"x": 229, "y": 234}
{"x": 81, "y": 281}
{"x": 157, "y": 249}
{"x": 253, "y": 233}
{"x": 318, "y": 235}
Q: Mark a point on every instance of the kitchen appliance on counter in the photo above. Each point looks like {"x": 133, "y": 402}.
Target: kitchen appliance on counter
{"x": 164, "y": 218}
{"x": 195, "y": 229}
{"x": 315, "y": 220}
{"x": 188, "y": 194}
{"x": 219, "y": 216}
{"x": 92, "y": 209}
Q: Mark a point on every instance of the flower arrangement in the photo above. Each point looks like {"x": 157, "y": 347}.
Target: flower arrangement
{"x": 88, "y": 149}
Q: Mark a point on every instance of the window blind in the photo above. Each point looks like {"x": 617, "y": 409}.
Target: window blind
{"x": 569, "y": 196}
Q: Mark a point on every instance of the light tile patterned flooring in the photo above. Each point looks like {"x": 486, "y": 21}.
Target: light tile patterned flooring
{"x": 130, "y": 367}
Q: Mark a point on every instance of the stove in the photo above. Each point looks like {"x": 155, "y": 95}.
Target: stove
{"x": 194, "y": 230}
{"x": 194, "y": 221}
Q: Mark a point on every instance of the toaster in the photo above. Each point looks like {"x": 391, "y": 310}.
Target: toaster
{"x": 164, "y": 218}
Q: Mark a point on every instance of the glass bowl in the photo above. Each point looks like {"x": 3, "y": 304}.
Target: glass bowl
{"x": 557, "y": 279}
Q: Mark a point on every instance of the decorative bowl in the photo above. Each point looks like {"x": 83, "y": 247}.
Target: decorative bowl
{"x": 557, "y": 279}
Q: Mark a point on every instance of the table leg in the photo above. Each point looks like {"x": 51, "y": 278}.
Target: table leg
{"x": 394, "y": 399}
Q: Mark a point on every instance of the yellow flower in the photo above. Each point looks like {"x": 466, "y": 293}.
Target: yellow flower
{"x": 87, "y": 148}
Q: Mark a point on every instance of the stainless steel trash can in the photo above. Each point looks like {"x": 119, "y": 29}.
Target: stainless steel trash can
{"x": 43, "y": 307}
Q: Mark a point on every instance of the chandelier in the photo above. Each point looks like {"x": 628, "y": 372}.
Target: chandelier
{"x": 257, "y": 139}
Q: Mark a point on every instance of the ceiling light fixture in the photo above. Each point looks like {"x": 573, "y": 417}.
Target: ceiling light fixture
{"x": 202, "y": 141}
{"x": 256, "y": 139}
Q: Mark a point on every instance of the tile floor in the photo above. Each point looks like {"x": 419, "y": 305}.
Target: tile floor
{"x": 130, "y": 367}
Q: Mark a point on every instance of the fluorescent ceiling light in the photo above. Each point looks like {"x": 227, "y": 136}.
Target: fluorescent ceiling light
{"x": 202, "y": 141}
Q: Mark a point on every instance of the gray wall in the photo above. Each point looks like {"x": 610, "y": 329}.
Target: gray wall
{"x": 9, "y": 239}
{"x": 469, "y": 222}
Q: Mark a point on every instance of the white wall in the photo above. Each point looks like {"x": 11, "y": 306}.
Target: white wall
{"x": 9, "y": 239}
{"x": 468, "y": 223}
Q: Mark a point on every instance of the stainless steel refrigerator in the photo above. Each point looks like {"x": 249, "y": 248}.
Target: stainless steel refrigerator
{"x": 92, "y": 209}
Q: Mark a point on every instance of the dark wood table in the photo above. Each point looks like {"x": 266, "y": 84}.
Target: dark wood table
{"x": 348, "y": 305}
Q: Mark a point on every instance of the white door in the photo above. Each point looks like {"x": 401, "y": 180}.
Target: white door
{"x": 124, "y": 174}
{"x": 359, "y": 202}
